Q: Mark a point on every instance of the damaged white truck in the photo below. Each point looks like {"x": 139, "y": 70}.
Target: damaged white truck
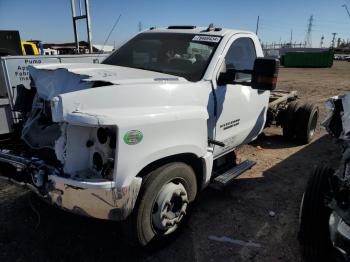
{"x": 137, "y": 137}
{"x": 324, "y": 229}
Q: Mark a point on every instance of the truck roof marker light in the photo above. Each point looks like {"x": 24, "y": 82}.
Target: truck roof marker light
{"x": 181, "y": 27}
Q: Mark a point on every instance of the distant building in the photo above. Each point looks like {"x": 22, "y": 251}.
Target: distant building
{"x": 49, "y": 51}
{"x": 105, "y": 49}
{"x": 70, "y": 48}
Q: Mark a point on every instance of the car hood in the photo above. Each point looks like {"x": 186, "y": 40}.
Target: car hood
{"x": 54, "y": 79}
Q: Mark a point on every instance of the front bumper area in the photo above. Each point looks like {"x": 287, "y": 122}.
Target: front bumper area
{"x": 92, "y": 198}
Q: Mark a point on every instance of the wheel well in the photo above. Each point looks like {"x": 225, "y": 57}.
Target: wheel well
{"x": 190, "y": 159}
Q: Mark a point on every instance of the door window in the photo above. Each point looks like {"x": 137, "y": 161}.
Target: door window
{"x": 241, "y": 56}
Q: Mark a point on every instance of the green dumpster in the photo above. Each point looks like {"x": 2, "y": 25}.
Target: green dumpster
{"x": 308, "y": 59}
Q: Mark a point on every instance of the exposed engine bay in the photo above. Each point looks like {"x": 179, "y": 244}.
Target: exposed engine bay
{"x": 77, "y": 151}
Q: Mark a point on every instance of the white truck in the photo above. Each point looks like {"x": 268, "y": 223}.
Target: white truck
{"x": 137, "y": 137}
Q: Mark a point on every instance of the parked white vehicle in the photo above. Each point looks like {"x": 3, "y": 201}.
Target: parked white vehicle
{"x": 137, "y": 137}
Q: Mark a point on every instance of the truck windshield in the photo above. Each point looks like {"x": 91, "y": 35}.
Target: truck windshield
{"x": 184, "y": 55}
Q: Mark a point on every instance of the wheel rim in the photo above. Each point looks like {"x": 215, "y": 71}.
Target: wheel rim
{"x": 313, "y": 124}
{"x": 170, "y": 207}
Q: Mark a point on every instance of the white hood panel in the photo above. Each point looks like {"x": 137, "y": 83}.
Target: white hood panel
{"x": 55, "y": 79}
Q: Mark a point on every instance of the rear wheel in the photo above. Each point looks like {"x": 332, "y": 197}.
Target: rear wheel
{"x": 163, "y": 203}
{"x": 314, "y": 217}
{"x": 307, "y": 117}
{"x": 290, "y": 118}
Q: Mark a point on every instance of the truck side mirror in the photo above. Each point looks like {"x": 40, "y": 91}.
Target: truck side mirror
{"x": 227, "y": 77}
{"x": 265, "y": 72}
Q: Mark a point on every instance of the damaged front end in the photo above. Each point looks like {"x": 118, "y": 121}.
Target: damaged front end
{"x": 337, "y": 124}
{"x": 71, "y": 165}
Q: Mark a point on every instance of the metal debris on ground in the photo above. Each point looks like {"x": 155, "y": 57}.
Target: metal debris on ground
{"x": 225, "y": 239}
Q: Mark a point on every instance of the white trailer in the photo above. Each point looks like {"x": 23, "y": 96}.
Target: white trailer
{"x": 14, "y": 72}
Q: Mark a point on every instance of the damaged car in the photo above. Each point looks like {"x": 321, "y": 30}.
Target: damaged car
{"x": 324, "y": 231}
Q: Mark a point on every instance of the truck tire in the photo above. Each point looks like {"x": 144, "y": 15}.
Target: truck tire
{"x": 314, "y": 217}
{"x": 290, "y": 119}
{"x": 163, "y": 204}
{"x": 307, "y": 117}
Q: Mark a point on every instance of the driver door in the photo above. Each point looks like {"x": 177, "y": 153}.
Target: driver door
{"x": 241, "y": 110}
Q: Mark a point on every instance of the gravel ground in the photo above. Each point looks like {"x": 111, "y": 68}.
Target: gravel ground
{"x": 33, "y": 231}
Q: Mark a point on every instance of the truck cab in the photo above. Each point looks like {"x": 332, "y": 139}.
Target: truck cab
{"x": 135, "y": 138}
{"x": 201, "y": 57}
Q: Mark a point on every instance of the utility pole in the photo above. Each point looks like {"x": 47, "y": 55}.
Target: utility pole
{"x": 88, "y": 24}
{"x": 308, "y": 38}
{"x": 338, "y": 41}
{"x": 322, "y": 39}
{"x": 257, "y": 26}
{"x": 291, "y": 37}
{"x": 140, "y": 26}
{"x": 333, "y": 39}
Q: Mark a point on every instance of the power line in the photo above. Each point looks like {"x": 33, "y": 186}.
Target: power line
{"x": 347, "y": 10}
{"x": 115, "y": 24}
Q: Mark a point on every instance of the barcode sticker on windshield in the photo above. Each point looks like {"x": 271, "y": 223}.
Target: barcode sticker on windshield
{"x": 206, "y": 38}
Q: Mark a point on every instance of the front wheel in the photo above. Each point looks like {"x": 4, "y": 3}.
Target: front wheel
{"x": 314, "y": 217}
{"x": 163, "y": 203}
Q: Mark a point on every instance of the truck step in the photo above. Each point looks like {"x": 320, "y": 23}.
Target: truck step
{"x": 227, "y": 177}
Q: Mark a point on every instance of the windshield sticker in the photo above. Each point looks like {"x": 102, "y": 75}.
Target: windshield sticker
{"x": 206, "y": 38}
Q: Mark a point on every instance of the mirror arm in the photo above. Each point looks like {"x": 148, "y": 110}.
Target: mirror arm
{"x": 243, "y": 83}
{"x": 250, "y": 72}
{"x": 226, "y": 77}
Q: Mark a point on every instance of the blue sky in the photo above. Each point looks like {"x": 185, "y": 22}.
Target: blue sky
{"x": 50, "y": 20}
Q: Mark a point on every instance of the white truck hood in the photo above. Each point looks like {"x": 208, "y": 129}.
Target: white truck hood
{"x": 54, "y": 79}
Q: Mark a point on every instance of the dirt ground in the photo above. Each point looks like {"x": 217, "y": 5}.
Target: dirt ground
{"x": 33, "y": 231}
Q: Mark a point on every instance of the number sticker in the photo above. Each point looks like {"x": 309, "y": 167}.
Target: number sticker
{"x": 206, "y": 38}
